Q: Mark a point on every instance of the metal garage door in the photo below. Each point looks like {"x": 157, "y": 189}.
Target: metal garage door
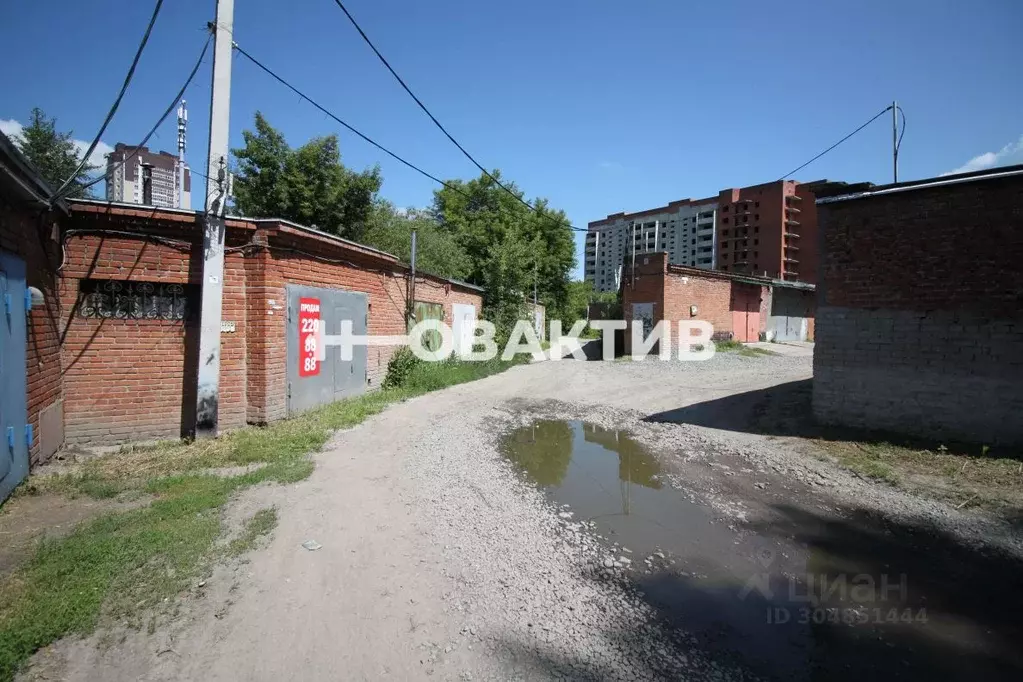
{"x": 311, "y": 383}
{"x": 14, "y": 431}
{"x": 789, "y": 312}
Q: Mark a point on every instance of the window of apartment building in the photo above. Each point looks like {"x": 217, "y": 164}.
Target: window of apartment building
{"x": 694, "y": 253}
{"x": 725, "y": 221}
{"x": 756, "y": 216}
{"x": 756, "y": 229}
{"x": 755, "y": 242}
{"x": 724, "y": 232}
{"x": 756, "y": 204}
{"x": 724, "y": 210}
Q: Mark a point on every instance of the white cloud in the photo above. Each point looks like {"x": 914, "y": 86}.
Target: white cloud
{"x": 612, "y": 166}
{"x": 1007, "y": 155}
{"x": 13, "y": 129}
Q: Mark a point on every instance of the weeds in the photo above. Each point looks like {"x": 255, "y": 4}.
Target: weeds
{"x": 261, "y": 523}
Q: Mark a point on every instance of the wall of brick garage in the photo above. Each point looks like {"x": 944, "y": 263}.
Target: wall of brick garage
{"x": 33, "y": 237}
{"x": 919, "y": 326}
{"x": 133, "y": 380}
{"x": 384, "y": 283}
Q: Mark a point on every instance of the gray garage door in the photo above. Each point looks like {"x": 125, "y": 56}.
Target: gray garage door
{"x": 312, "y": 383}
{"x": 789, "y": 312}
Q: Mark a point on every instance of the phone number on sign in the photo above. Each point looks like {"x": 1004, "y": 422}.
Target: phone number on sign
{"x": 846, "y": 616}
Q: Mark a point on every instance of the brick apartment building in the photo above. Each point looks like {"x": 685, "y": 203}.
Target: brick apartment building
{"x": 920, "y": 309}
{"x": 769, "y": 230}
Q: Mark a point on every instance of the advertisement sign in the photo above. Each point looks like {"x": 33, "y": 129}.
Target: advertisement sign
{"x": 308, "y": 323}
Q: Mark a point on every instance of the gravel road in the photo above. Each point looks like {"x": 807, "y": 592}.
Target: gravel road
{"x": 439, "y": 560}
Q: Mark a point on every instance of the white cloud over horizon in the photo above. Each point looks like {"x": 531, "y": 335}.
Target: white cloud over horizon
{"x": 1006, "y": 156}
{"x": 13, "y": 129}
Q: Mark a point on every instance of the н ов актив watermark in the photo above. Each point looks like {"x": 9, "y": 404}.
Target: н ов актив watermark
{"x": 476, "y": 340}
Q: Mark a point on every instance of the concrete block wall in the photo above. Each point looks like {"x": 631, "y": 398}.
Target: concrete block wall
{"x": 920, "y": 318}
{"x": 32, "y": 236}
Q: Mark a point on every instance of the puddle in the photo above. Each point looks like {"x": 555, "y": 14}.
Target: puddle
{"x": 607, "y": 478}
{"x": 780, "y": 598}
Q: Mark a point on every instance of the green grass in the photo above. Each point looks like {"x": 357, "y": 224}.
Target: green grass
{"x": 261, "y": 523}
{"x": 741, "y": 349}
{"x": 121, "y": 564}
{"x": 962, "y": 475}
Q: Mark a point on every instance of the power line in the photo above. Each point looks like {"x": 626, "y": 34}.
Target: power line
{"x": 876, "y": 116}
{"x": 117, "y": 102}
{"x": 162, "y": 118}
{"x": 425, "y": 110}
{"x": 361, "y": 135}
{"x": 898, "y": 145}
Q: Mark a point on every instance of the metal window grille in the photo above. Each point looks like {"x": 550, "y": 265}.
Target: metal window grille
{"x": 123, "y": 300}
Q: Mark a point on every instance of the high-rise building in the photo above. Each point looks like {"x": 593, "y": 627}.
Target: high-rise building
{"x": 768, "y": 230}
{"x": 149, "y": 178}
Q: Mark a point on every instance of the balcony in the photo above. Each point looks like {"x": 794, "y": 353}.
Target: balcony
{"x": 791, "y": 221}
{"x": 791, "y": 247}
{"x": 793, "y": 197}
{"x": 792, "y": 209}
{"x": 790, "y": 275}
{"x": 789, "y": 259}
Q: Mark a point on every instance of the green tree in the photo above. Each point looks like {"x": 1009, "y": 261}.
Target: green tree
{"x": 308, "y": 185}
{"x": 509, "y": 246}
{"x": 54, "y": 154}
{"x": 437, "y": 251}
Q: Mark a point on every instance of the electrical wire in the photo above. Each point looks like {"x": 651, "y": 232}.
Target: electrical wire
{"x": 166, "y": 113}
{"x": 898, "y": 145}
{"x": 876, "y": 116}
{"x": 361, "y": 135}
{"x": 428, "y": 112}
{"x": 116, "y": 104}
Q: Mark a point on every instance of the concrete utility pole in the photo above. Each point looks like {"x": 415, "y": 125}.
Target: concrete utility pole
{"x": 895, "y": 141}
{"x": 412, "y": 284}
{"x": 208, "y": 389}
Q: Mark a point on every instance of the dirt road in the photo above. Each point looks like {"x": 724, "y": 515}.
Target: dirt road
{"x": 589, "y": 520}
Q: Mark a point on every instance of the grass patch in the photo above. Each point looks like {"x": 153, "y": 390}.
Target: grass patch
{"x": 965, "y": 476}
{"x": 741, "y": 349}
{"x": 123, "y": 563}
{"x": 261, "y": 524}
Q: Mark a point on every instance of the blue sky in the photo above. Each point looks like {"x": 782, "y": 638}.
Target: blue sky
{"x": 600, "y": 105}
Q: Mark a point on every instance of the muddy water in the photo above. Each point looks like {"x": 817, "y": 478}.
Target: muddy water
{"x": 793, "y": 595}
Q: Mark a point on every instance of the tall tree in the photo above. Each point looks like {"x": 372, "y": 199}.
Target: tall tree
{"x": 308, "y": 185}
{"x": 54, "y": 154}
{"x": 437, "y": 250}
{"x": 510, "y": 247}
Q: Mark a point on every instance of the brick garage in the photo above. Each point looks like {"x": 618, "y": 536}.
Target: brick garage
{"x": 29, "y": 230}
{"x": 920, "y": 321}
{"x": 737, "y": 306}
{"x": 133, "y": 379}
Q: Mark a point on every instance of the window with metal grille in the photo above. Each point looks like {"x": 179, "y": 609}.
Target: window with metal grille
{"x": 124, "y": 300}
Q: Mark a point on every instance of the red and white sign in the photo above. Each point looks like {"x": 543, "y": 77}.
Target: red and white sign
{"x": 308, "y": 324}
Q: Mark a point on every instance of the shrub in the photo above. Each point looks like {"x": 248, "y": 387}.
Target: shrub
{"x": 400, "y": 367}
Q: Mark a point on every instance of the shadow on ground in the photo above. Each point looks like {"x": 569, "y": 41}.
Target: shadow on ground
{"x": 879, "y": 599}
{"x": 786, "y": 410}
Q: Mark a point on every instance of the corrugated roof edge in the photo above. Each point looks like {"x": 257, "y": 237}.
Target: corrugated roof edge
{"x": 26, "y": 175}
{"x": 941, "y": 180}
{"x": 746, "y": 279}
{"x": 312, "y": 231}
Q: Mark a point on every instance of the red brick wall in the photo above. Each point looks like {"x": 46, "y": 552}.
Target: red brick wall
{"x": 133, "y": 379}
{"x": 33, "y": 237}
{"x": 920, "y": 311}
{"x": 941, "y": 248}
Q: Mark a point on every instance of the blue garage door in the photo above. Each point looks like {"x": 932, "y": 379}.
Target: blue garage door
{"x": 13, "y": 407}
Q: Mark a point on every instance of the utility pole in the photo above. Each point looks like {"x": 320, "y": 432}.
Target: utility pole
{"x": 895, "y": 141}
{"x": 633, "y": 256}
{"x": 412, "y": 283}
{"x": 208, "y": 387}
